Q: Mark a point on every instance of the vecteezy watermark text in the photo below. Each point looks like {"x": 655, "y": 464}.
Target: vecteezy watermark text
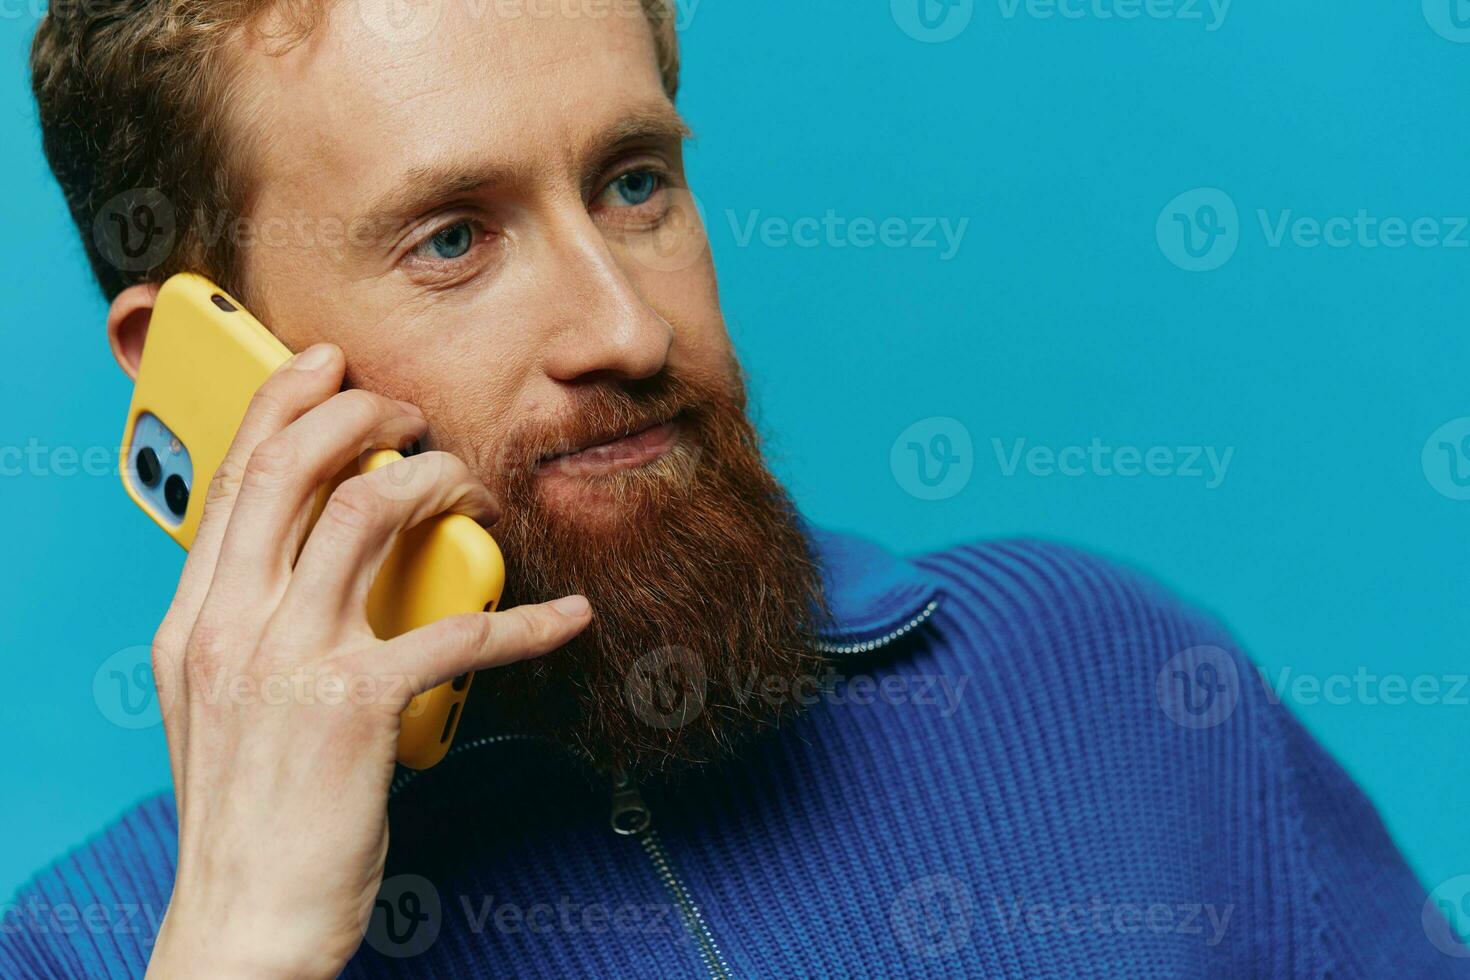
{"x": 1201, "y": 229}
{"x": 834, "y": 231}
{"x": 1209, "y": 13}
{"x": 1101, "y": 918}
{"x": 1100, "y": 459}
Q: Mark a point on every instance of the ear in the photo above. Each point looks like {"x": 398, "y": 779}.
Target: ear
{"x": 127, "y": 325}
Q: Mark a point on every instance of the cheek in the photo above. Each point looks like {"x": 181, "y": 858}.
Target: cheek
{"x": 469, "y": 392}
{"x": 471, "y": 403}
{"x": 452, "y": 365}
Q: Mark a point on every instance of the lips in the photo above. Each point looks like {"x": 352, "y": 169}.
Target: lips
{"x": 621, "y": 452}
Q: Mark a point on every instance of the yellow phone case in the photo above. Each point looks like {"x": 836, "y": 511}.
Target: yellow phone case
{"x": 203, "y": 359}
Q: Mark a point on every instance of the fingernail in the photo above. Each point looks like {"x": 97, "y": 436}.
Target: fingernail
{"x": 572, "y": 606}
{"x": 314, "y": 358}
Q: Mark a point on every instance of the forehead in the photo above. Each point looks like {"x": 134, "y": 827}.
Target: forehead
{"x": 382, "y": 86}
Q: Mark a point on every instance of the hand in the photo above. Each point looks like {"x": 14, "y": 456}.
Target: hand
{"x": 280, "y": 706}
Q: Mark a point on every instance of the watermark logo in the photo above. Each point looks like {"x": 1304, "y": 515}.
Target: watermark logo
{"x": 1199, "y": 230}
{"x": 679, "y": 240}
{"x": 933, "y": 916}
{"x": 933, "y": 21}
{"x": 406, "y": 917}
{"x": 400, "y": 21}
{"x": 124, "y": 691}
{"x": 666, "y": 687}
{"x": 1446, "y": 917}
{"x": 1198, "y": 687}
{"x": 1450, "y": 19}
{"x": 135, "y": 230}
{"x": 933, "y": 459}
{"x": 399, "y": 479}
{"x": 1446, "y": 459}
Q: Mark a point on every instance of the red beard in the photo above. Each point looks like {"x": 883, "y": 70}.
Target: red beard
{"x": 704, "y": 593}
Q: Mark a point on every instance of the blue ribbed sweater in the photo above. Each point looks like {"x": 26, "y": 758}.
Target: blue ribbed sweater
{"x": 1003, "y": 781}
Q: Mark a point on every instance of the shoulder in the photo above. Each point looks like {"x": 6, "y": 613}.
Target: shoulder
{"x": 1144, "y": 704}
{"x": 96, "y": 911}
{"x": 1047, "y": 589}
{"x": 1024, "y": 570}
{"x": 1085, "y": 643}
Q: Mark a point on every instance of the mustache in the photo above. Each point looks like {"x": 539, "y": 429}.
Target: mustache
{"x": 604, "y": 411}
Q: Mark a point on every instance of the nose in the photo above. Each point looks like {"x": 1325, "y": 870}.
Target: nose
{"x": 603, "y": 328}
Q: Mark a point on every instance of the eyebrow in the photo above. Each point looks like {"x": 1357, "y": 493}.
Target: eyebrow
{"x": 421, "y": 186}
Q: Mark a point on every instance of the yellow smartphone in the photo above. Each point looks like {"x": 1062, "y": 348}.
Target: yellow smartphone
{"x": 203, "y": 358}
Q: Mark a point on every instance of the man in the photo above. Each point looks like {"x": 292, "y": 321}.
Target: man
{"x": 708, "y": 739}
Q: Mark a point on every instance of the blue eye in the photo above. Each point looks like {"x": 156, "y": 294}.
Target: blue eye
{"x": 451, "y": 243}
{"x": 636, "y": 188}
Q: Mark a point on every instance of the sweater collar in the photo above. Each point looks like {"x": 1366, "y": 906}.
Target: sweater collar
{"x": 870, "y": 591}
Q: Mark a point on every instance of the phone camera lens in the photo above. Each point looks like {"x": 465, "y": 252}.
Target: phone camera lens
{"x": 148, "y": 468}
{"x": 176, "y": 494}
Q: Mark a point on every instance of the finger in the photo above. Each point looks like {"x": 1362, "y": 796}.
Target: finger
{"x": 433, "y": 654}
{"x": 359, "y": 527}
{"x": 279, "y": 487}
{"x": 303, "y": 381}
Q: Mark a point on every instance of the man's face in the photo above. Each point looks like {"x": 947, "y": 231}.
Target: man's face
{"x": 490, "y": 220}
{"x": 513, "y": 248}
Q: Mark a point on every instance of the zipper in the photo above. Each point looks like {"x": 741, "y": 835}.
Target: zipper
{"x": 631, "y": 817}
{"x": 409, "y": 775}
{"x": 868, "y": 646}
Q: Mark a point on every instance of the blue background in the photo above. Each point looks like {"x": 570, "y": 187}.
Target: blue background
{"x": 1061, "y": 318}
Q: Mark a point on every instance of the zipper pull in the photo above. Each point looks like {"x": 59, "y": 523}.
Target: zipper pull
{"x": 630, "y": 815}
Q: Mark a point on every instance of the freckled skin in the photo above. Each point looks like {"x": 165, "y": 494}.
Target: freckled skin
{"x": 566, "y": 298}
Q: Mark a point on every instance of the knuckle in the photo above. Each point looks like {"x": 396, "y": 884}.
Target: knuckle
{"x": 400, "y": 477}
{"x": 168, "y": 640}
{"x": 161, "y": 657}
{"x": 411, "y": 478}
{"x": 208, "y": 642}
{"x": 431, "y": 469}
{"x": 451, "y": 469}
{"x": 267, "y": 402}
{"x": 474, "y": 632}
{"x": 272, "y": 463}
{"x": 225, "y": 484}
{"x": 534, "y": 629}
{"x": 356, "y": 505}
{"x": 207, "y": 652}
{"x": 364, "y": 405}
{"x": 359, "y": 684}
